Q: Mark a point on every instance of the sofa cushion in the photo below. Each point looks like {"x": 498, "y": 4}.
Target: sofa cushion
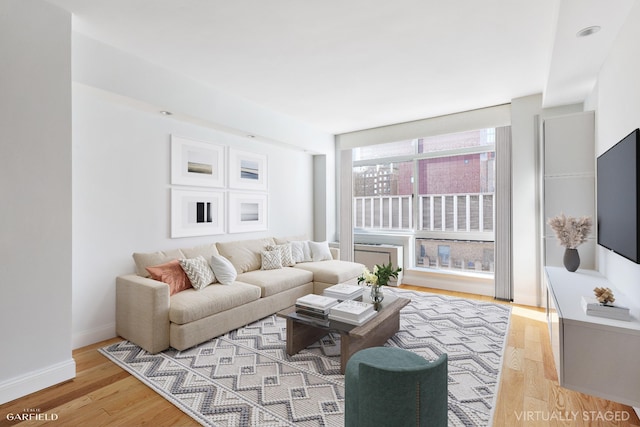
{"x": 333, "y": 271}
{"x": 271, "y": 260}
{"x": 286, "y": 256}
{"x": 198, "y": 271}
{"x": 224, "y": 271}
{"x": 190, "y": 305}
{"x": 149, "y": 259}
{"x": 320, "y": 251}
{"x": 245, "y": 255}
{"x": 281, "y": 240}
{"x": 172, "y": 274}
{"x": 300, "y": 251}
{"x": 205, "y": 250}
{"x": 272, "y": 282}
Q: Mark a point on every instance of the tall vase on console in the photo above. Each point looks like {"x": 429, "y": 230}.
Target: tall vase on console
{"x": 571, "y": 232}
{"x": 571, "y": 259}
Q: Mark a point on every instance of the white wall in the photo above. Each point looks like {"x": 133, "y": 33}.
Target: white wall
{"x": 121, "y": 169}
{"x": 616, "y": 99}
{"x": 154, "y": 86}
{"x": 121, "y": 198}
{"x": 35, "y": 189}
{"x": 76, "y": 211}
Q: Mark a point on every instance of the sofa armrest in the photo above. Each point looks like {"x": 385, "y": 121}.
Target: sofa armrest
{"x": 142, "y": 312}
{"x": 335, "y": 253}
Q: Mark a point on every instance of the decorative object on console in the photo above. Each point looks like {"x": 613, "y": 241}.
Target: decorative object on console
{"x": 196, "y": 213}
{"x": 196, "y": 163}
{"x": 380, "y": 277}
{"x": 571, "y": 232}
{"x": 593, "y": 307}
{"x": 604, "y": 295}
{"x": 602, "y": 305}
{"x": 571, "y": 259}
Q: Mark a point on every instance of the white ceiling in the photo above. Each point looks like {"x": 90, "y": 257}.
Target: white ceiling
{"x": 349, "y": 65}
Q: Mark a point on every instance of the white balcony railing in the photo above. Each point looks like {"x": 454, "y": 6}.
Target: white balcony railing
{"x": 456, "y": 212}
{"x": 383, "y": 212}
{"x": 462, "y": 213}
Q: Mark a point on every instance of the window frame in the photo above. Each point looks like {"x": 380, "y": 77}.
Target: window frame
{"x": 415, "y": 158}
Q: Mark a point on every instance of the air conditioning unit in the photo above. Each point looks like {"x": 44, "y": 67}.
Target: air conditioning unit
{"x": 374, "y": 254}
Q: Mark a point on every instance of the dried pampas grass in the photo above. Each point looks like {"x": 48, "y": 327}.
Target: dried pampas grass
{"x": 570, "y": 231}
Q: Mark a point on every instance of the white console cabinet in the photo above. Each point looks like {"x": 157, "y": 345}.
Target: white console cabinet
{"x": 593, "y": 355}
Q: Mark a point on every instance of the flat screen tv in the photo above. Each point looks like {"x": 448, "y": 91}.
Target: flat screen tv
{"x": 618, "y": 184}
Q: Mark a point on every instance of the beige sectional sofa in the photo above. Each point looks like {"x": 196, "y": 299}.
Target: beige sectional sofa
{"x": 149, "y": 316}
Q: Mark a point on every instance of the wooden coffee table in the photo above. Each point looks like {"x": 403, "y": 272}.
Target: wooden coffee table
{"x": 301, "y": 332}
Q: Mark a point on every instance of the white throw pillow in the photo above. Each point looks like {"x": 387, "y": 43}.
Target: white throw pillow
{"x": 320, "y": 251}
{"x": 198, "y": 271}
{"x": 271, "y": 260}
{"x": 223, "y": 269}
{"x": 286, "y": 253}
{"x": 300, "y": 251}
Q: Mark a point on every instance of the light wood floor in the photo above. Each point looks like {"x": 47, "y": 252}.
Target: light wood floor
{"x": 102, "y": 394}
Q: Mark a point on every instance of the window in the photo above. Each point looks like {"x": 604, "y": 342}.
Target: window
{"x": 440, "y": 189}
{"x": 382, "y": 196}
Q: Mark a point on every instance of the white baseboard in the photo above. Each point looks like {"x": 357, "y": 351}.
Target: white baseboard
{"x": 31, "y": 382}
{"x": 92, "y": 336}
{"x": 468, "y": 283}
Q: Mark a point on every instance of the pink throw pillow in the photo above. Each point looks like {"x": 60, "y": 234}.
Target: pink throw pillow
{"x": 172, "y": 274}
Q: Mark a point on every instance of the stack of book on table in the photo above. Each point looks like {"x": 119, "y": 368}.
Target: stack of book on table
{"x": 352, "y": 312}
{"x": 315, "y": 307}
{"x": 344, "y": 291}
{"x": 592, "y": 307}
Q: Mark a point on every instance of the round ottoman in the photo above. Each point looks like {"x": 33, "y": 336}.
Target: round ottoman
{"x": 388, "y": 386}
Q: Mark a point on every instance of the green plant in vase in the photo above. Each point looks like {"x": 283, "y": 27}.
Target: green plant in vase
{"x": 379, "y": 277}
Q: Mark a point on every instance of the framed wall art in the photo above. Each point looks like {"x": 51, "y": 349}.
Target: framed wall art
{"x": 247, "y": 171}
{"x": 197, "y": 163}
{"x": 247, "y": 212}
{"x": 196, "y": 212}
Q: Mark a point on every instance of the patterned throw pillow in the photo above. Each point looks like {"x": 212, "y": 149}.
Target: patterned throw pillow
{"x": 271, "y": 260}
{"x": 198, "y": 271}
{"x": 172, "y": 274}
{"x": 285, "y": 254}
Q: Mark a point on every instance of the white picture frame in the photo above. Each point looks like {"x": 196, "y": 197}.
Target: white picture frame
{"x": 196, "y": 212}
{"x": 247, "y": 212}
{"x": 247, "y": 171}
{"x": 197, "y": 163}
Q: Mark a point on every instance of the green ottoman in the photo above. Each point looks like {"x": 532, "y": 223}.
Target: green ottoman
{"x": 387, "y": 386}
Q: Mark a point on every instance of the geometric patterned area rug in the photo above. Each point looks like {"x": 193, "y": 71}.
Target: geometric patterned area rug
{"x": 245, "y": 377}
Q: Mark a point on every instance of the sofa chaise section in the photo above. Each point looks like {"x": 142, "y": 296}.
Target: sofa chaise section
{"x": 328, "y": 273}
